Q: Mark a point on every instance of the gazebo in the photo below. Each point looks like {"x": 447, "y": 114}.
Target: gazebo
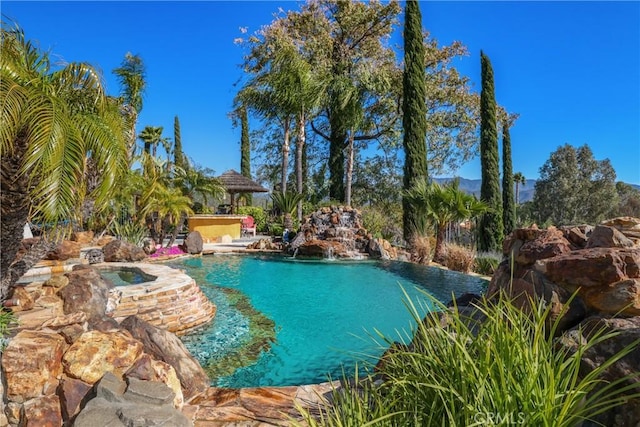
{"x": 234, "y": 183}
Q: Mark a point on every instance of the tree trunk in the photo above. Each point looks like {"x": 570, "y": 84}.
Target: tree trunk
{"x": 131, "y": 145}
{"x": 299, "y": 147}
{"x": 349, "y": 178}
{"x": 288, "y": 222}
{"x": 438, "y": 252}
{"x": 14, "y": 204}
{"x": 174, "y": 234}
{"x": 35, "y": 253}
{"x": 285, "y": 157}
{"x": 337, "y": 140}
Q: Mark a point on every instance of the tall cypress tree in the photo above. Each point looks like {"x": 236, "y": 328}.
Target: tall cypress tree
{"x": 491, "y": 229}
{"x": 245, "y": 149}
{"x": 178, "y": 155}
{"x": 414, "y": 121}
{"x": 508, "y": 202}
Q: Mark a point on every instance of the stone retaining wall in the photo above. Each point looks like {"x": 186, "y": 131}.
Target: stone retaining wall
{"x": 173, "y": 301}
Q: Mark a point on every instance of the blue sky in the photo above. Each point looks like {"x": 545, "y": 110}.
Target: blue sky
{"x": 570, "y": 69}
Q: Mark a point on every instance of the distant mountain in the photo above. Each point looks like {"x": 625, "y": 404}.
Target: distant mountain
{"x": 472, "y": 186}
{"x": 527, "y": 190}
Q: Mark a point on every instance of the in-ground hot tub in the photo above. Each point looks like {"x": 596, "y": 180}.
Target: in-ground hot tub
{"x": 166, "y": 297}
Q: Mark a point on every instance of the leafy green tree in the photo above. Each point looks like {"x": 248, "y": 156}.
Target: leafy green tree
{"x": 414, "y": 113}
{"x": 574, "y": 188}
{"x": 178, "y": 156}
{"x": 519, "y": 179}
{"x": 508, "y": 202}
{"x": 51, "y": 122}
{"x": 132, "y": 77}
{"x": 628, "y": 200}
{"x": 491, "y": 230}
{"x": 245, "y": 149}
{"x": 346, "y": 44}
{"x": 443, "y": 205}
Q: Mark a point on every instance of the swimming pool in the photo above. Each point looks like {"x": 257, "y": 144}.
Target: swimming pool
{"x": 320, "y": 315}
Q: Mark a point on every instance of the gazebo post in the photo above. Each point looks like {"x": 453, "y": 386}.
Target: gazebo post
{"x": 237, "y": 183}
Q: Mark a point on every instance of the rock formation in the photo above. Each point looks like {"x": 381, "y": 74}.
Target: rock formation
{"x": 121, "y": 251}
{"x": 600, "y": 265}
{"x": 58, "y": 371}
{"x": 591, "y": 278}
{"x": 337, "y": 232}
{"x": 193, "y": 243}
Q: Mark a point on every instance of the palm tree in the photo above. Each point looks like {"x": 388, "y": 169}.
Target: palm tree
{"x": 193, "y": 181}
{"x": 519, "y": 179}
{"x": 287, "y": 203}
{"x": 131, "y": 75}
{"x": 151, "y": 136}
{"x": 169, "y": 207}
{"x": 50, "y": 123}
{"x": 443, "y": 205}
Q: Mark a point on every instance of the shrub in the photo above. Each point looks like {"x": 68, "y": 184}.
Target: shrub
{"x": 421, "y": 250}
{"x": 505, "y": 370}
{"x": 458, "y": 258}
{"x": 6, "y": 319}
{"x": 486, "y": 263}
{"x": 132, "y": 232}
{"x": 374, "y": 221}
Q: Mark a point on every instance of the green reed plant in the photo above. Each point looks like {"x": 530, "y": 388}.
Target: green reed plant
{"x": 132, "y": 232}
{"x": 7, "y": 318}
{"x": 493, "y": 365}
{"x": 486, "y": 263}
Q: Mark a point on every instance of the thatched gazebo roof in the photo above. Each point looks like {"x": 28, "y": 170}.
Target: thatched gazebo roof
{"x": 234, "y": 182}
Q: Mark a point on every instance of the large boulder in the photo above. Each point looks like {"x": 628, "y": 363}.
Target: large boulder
{"x": 82, "y": 237}
{"x": 596, "y": 267}
{"x": 94, "y": 256}
{"x": 131, "y": 403}
{"x": 149, "y": 246}
{"x": 193, "y": 243}
{"x": 527, "y": 287}
{"x": 121, "y": 251}
{"x": 86, "y": 292}
{"x": 31, "y": 365}
{"x": 148, "y": 369}
{"x": 608, "y": 237}
{"x": 627, "y": 335}
{"x": 591, "y": 267}
{"x": 627, "y": 225}
{"x": 73, "y": 393}
{"x": 381, "y": 249}
{"x": 167, "y": 347}
{"x": 322, "y": 249}
{"x": 95, "y": 353}
{"x": 529, "y": 245}
{"x": 65, "y": 250}
{"x": 42, "y": 411}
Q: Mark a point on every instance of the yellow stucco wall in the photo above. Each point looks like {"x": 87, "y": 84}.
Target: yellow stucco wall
{"x": 212, "y": 227}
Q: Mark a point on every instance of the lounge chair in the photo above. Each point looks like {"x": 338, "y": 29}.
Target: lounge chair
{"x": 248, "y": 226}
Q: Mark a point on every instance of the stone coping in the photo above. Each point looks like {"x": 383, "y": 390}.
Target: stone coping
{"x": 172, "y": 301}
{"x": 46, "y": 267}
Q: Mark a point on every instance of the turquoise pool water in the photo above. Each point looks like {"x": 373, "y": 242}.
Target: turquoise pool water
{"x": 324, "y": 312}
